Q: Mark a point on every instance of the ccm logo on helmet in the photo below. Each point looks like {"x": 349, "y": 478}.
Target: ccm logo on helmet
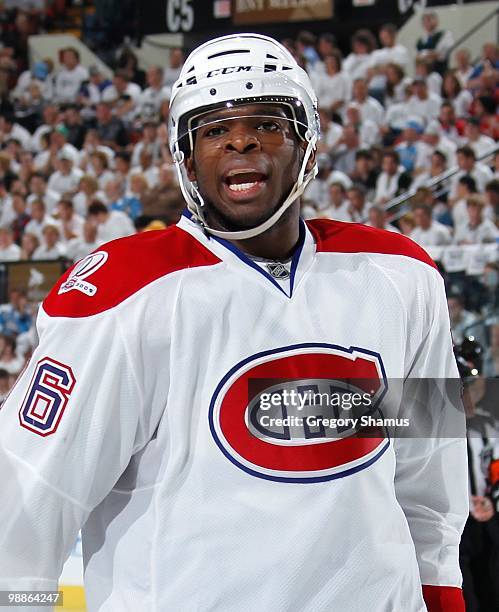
{"x": 228, "y": 70}
{"x": 282, "y": 454}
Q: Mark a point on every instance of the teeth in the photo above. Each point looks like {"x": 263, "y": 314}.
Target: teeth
{"x": 242, "y": 186}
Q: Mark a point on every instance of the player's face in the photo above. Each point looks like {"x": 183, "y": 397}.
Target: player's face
{"x": 245, "y": 164}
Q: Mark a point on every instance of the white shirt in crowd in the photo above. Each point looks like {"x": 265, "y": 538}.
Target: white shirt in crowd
{"x": 331, "y": 89}
{"x": 36, "y": 227}
{"x": 460, "y": 213}
{"x": 7, "y": 214}
{"x": 75, "y": 227}
{"x": 62, "y": 183}
{"x": 338, "y": 213}
{"x": 371, "y": 109}
{"x": 425, "y": 109}
{"x": 483, "y": 233}
{"x": 434, "y": 82}
{"x": 481, "y": 173}
{"x": 462, "y": 103}
{"x": 11, "y": 253}
{"x": 50, "y": 199}
{"x": 356, "y": 65}
{"x": 118, "y": 225}
{"x": 436, "y": 235}
{"x": 387, "y": 185}
{"x": 68, "y": 83}
{"x": 77, "y": 248}
{"x": 397, "y": 54}
{"x": 151, "y": 100}
{"x": 55, "y": 252}
{"x": 482, "y": 145}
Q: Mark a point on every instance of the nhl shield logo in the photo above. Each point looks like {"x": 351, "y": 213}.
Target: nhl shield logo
{"x": 292, "y": 448}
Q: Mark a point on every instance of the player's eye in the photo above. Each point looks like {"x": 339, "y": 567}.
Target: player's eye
{"x": 215, "y": 131}
{"x": 269, "y": 126}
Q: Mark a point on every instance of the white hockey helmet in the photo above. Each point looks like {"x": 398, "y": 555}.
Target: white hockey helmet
{"x": 234, "y": 70}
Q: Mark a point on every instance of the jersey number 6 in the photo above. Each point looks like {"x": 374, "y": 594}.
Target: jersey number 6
{"x": 47, "y": 397}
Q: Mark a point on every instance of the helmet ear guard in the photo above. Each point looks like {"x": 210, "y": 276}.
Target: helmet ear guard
{"x": 230, "y": 65}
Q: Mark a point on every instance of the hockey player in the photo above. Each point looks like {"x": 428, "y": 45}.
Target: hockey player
{"x": 138, "y": 416}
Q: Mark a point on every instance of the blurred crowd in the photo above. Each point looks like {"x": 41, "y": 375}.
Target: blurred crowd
{"x": 84, "y": 157}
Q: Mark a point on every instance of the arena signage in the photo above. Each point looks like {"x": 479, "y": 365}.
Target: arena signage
{"x": 246, "y": 12}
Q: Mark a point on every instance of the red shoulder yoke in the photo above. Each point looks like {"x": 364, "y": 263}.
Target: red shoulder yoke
{"x": 131, "y": 264}
{"x": 340, "y": 237}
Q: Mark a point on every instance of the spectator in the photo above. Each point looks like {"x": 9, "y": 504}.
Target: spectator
{"x": 391, "y": 52}
{"x": 428, "y": 232}
{"x": 139, "y": 186}
{"x": 393, "y": 180}
{"x": 71, "y": 76}
{"x": 463, "y": 66}
{"x": 154, "y": 94}
{"x": 330, "y": 132}
{"x": 123, "y": 95}
{"x": 149, "y": 141}
{"x": 368, "y": 131}
{"x": 79, "y": 247}
{"x": 172, "y": 70}
{"x": 438, "y": 165}
{"x": 305, "y": 47}
{"x": 88, "y": 191}
{"x": 326, "y": 45}
{"x": 10, "y": 130}
{"x": 359, "y": 206}
{"x": 492, "y": 197}
{"x": 164, "y": 202}
{"x": 461, "y": 99}
{"x": 480, "y": 143}
{"x": 466, "y": 160}
{"x": 414, "y": 153}
{"x": 477, "y": 230}
{"x": 460, "y": 319}
{"x": 407, "y": 224}
{"x": 9, "y": 251}
{"x": 75, "y": 129}
{"x": 122, "y": 167}
{"x": 15, "y": 317}
{"x": 423, "y": 103}
{"x": 92, "y": 92}
{"x": 491, "y": 357}
{"x": 66, "y": 178}
{"x": 424, "y": 70}
{"x": 332, "y": 86}
{"x": 39, "y": 219}
{"x": 365, "y": 173}
{"x": 489, "y": 63}
{"x": 129, "y": 62}
{"x": 21, "y": 218}
{"x": 447, "y": 119}
{"x": 434, "y": 137}
{"x": 39, "y": 191}
{"x": 111, "y": 130}
{"x": 369, "y": 107}
{"x": 50, "y": 248}
{"x": 110, "y": 224}
{"x": 117, "y": 200}
{"x": 466, "y": 187}
{"x": 356, "y": 64}
{"x": 50, "y": 114}
{"x": 377, "y": 218}
{"x": 100, "y": 166}
{"x": 396, "y": 84}
{"x": 29, "y": 244}
{"x": 92, "y": 144}
{"x": 146, "y": 168}
{"x": 70, "y": 224}
{"x": 435, "y": 44}
{"x": 338, "y": 207}
{"x": 4, "y": 386}
{"x": 9, "y": 360}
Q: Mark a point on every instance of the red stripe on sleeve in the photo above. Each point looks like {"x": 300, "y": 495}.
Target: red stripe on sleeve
{"x": 443, "y": 598}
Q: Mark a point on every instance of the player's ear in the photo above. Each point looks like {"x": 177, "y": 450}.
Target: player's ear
{"x": 189, "y": 166}
{"x": 311, "y": 159}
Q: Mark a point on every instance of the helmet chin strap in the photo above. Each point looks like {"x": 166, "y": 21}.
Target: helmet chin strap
{"x": 298, "y": 189}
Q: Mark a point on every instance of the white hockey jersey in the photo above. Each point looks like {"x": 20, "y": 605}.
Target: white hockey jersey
{"x": 133, "y": 422}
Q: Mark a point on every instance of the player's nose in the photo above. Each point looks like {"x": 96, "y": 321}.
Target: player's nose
{"x": 241, "y": 141}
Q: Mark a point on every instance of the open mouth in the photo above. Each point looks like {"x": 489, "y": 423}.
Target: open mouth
{"x": 244, "y": 182}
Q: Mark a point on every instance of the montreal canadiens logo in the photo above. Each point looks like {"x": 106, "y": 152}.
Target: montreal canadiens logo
{"x": 87, "y": 266}
{"x": 288, "y": 442}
